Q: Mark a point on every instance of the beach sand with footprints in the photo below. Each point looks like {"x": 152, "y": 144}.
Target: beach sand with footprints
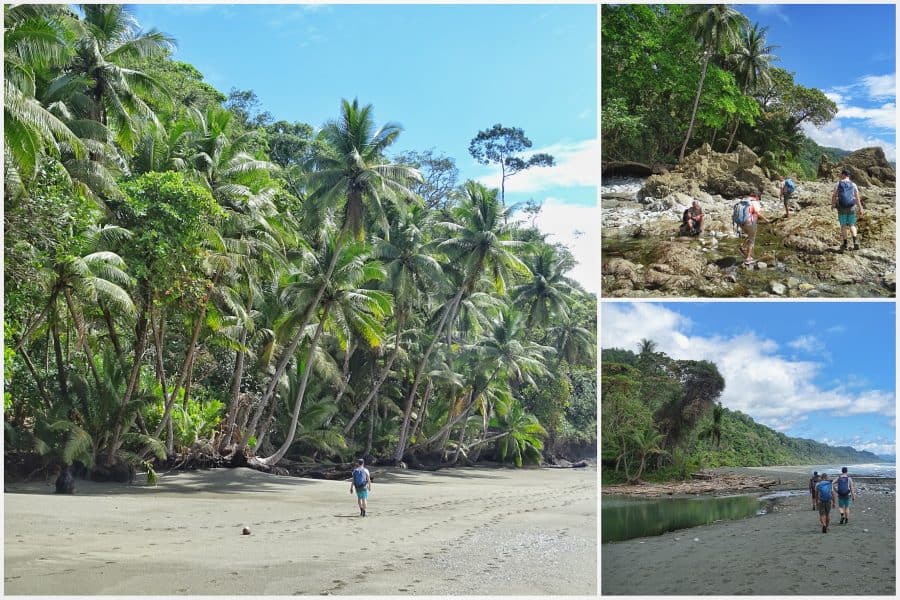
{"x": 780, "y": 553}
{"x": 460, "y": 531}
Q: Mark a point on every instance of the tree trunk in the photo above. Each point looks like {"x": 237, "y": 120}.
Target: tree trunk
{"x": 61, "y": 377}
{"x": 113, "y": 337}
{"x": 307, "y": 314}
{"x": 82, "y": 335}
{"x": 737, "y": 123}
{"x": 372, "y": 414}
{"x": 345, "y": 373}
{"x": 417, "y": 427}
{"x": 381, "y": 379}
{"x": 37, "y": 378}
{"x": 140, "y": 345}
{"x": 234, "y": 403}
{"x": 404, "y": 427}
{"x": 694, "y": 110}
{"x": 298, "y": 401}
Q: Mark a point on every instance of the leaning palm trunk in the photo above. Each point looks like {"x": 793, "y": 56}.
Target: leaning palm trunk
{"x": 82, "y": 335}
{"x": 234, "y": 403}
{"x": 694, "y": 110}
{"x": 140, "y": 345}
{"x": 420, "y": 369}
{"x": 381, "y": 379}
{"x": 298, "y": 402}
{"x": 292, "y": 347}
{"x": 417, "y": 427}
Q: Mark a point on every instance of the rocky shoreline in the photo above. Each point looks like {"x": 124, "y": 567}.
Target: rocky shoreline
{"x": 799, "y": 255}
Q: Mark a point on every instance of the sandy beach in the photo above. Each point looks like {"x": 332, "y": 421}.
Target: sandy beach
{"x": 780, "y": 553}
{"x": 461, "y": 531}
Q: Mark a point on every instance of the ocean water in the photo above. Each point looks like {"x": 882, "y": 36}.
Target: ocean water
{"x": 868, "y": 469}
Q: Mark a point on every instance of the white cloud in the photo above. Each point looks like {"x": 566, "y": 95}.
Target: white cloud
{"x": 573, "y": 226}
{"x": 884, "y": 116}
{"x": 775, "y": 390}
{"x": 880, "y": 87}
{"x": 774, "y": 10}
{"x": 809, "y": 343}
{"x": 577, "y": 164}
{"x": 848, "y": 138}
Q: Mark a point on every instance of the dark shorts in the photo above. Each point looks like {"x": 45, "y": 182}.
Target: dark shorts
{"x": 844, "y": 501}
{"x": 824, "y": 507}
{"x": 787, "y": 197}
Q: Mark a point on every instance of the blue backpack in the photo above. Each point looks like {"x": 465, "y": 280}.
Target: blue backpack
{"x": 789, "y": 186}
{"x": 846, "y": 198}
{"x": 843, "y": 485}
{"x": 824, "y": 488}
{"x": 740, "y": 214}
{"x": 359, "y": 478}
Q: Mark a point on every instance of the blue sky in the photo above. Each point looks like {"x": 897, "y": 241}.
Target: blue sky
{"x": 847, "y": 51}
{"x": 443, "y": 72}
{"x": 819, "y": 370}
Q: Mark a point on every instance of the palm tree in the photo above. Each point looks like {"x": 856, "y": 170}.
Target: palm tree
{"x": 751, "y": 62}
{"x": 35, "y": 41}
{"x": 478, "y": 242}
{"x": 520, "y": 435}
{"x": 348, "y": 170}
{"x": 413, "y": 273}
{"x": 646, "y": 444}
{"x": 715, "y": 26}
{"x": 546, "y": 294}
{"x": 99, "y": 78}
{"x": 347, "y": 309}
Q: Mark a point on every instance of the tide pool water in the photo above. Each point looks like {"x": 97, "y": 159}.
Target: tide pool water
{"x": 626, "y": 518}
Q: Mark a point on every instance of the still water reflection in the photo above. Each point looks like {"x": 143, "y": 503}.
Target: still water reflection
{"x": 626, "y": 518}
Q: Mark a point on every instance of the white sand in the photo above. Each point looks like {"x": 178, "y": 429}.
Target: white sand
{"x": 460, "y": 531}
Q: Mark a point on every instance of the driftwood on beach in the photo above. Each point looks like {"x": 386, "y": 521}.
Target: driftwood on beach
{"x": 702, "y": 483}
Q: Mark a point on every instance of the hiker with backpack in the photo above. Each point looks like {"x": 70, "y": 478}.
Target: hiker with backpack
{"x": 745, "y": 216}
{"x": 812, "y": 487}
{"x": 362, "y": 482}
{"x": 848, "y": 203}
{"x": 786, "y": 188}
{"x": 825, "y": 501}
{"x": 845, "y": 491}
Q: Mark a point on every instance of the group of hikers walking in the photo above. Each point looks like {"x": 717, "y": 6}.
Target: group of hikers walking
{"x": 747, "y": 213}
{"x": 827, "y": 494}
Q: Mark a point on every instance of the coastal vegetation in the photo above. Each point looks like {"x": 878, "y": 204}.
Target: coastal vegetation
{"x": 661, "y": 419}
{"x": 708, "y": 71}
{"x": 189, "y": 280}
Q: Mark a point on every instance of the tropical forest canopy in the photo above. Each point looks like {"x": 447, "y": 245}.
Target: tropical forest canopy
{"x": 186, "y": 273}
{"x": 678, "y": 76}
{"x": 660, "y": 418}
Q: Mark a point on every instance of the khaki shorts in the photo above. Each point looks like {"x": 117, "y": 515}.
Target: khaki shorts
{"x": 824, "y": 507}
{"x": 750, "y": 230}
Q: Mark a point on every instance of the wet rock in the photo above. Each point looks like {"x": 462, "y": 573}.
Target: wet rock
{"x": 761, "y": 266}
{"x": 890, "y": 280}
{"x": 792, "y": 282}
{"x": 779, "y": 289}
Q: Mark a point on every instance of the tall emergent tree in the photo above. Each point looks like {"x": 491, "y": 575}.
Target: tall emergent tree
{"x": 503, "y": 146}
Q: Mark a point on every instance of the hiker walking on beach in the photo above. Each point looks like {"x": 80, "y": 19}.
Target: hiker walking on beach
{"x": 845, "y": 490}
{"x": 786, "y": 188}
{"x": 847, "y": 202}
{"x": 825, "y": 500}
{"x": 745, "y": 215}
{"x": 362, "y": 483}
{"x": 812, "y": 487}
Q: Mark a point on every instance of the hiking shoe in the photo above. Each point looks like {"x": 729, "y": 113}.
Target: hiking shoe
{"x": 363, "y": 512}
{"x": 824, "y": 529}
{"x": 856, "y": 245}
{"x": 843, "y": 246}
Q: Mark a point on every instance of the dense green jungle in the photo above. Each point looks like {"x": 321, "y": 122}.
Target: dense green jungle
{"x": 191, "y": 282}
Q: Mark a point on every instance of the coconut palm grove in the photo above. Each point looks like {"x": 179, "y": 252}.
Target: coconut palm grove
{"x": 191, "y": 282}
